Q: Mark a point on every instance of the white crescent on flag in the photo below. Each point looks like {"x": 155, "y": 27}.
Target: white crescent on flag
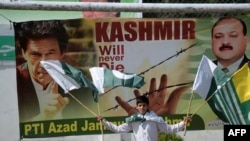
{"x": 121, "y": 75}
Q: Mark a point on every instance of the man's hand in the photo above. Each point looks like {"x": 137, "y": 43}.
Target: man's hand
{"x": 54, "y": 103}
{"x": 187, "y": 119}
{"x": 157, "y": 102}
{"x": 99, "y": 118}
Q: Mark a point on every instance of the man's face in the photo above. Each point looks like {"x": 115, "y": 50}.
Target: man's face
{"x": 228, "y": 41}
{"x": 142, "y": 108}
{"x": 37, "y": 50}
{"x": 98, "y": 14}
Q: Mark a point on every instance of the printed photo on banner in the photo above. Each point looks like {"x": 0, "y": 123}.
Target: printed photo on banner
{"x": 226, "y": 76}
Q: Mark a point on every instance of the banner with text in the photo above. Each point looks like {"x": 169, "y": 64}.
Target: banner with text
{"x": 166, "y": 52}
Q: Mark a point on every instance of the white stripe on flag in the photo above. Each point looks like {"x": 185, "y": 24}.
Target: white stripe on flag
{"x": 232, "y": 94}
{"x": 230, "y": 99}
{"x": 97, "y": 74}
{"x": 54, "y": 68}
{"x": 203, "y": 77}
{"x": 226, "y": 102}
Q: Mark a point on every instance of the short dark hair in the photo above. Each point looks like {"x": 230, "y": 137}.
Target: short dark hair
{"x": 230, "y": 17}
{"x": 142, "y": 99}
{"x": 24, "y": 31}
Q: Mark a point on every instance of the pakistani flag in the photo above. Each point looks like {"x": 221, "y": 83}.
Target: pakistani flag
{"x": 104, "y": 78}
{"x": 205, "y": 80}
{"x": 230, "y": 96}
{"x": 68, "y": 77}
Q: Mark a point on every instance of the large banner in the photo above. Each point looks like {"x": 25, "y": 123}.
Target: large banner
{"x": 166, "y": 52}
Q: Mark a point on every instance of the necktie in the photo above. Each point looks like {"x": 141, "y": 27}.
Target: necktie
{"x": 225, "y": 70}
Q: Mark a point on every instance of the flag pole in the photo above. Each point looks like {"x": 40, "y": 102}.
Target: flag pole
{"x": 99, "y": 111}
{"x": 191, "y": 97}
{"x": 203, "y": 104}
{"x": 82, "y": 104}
{"x": 189, "y": 106}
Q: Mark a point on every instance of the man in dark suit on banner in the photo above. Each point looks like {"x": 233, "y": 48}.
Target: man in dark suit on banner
{"x": 229, "y": 43}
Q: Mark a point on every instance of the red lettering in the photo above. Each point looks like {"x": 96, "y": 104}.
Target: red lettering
{"x": 118, "y": 67}
{"x": 101, "y": 31}
{"x": 132, "y": 34}
{"x": 116, "y": 32}
{"x": 188, "y": 30}
{"x": 177, "y": 29}
{"x": 105, "y": 50}
{"x": 163, "y": 29}
{"x": 145, "y": 29}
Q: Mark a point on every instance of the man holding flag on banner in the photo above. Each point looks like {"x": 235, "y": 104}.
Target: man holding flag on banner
{"x": 43, "y": 44}
{"x": 39, "y": 97}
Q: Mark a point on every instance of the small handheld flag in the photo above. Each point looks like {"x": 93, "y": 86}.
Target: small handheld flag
{"x": 68, "y": 77}
{"x": 104, "y": 78}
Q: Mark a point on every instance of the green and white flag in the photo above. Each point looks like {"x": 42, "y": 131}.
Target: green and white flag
{"x": 105, "y": 78}
{"x": 148, "y": 116}
{"x": 229, "y": 97}
{"x": 232, "y": 98}
{"x": 205, "y": 79}
{"x": 68, "y": 77}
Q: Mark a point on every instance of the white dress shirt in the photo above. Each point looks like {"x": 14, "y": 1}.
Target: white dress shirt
{"x": 233, "y": 67}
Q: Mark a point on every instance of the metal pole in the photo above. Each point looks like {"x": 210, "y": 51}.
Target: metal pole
{"x": 128, "y": 7}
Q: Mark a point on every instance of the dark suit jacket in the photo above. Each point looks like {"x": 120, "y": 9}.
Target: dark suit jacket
{"x": 28, "y": 102}
{"x": 211, "y": 103}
